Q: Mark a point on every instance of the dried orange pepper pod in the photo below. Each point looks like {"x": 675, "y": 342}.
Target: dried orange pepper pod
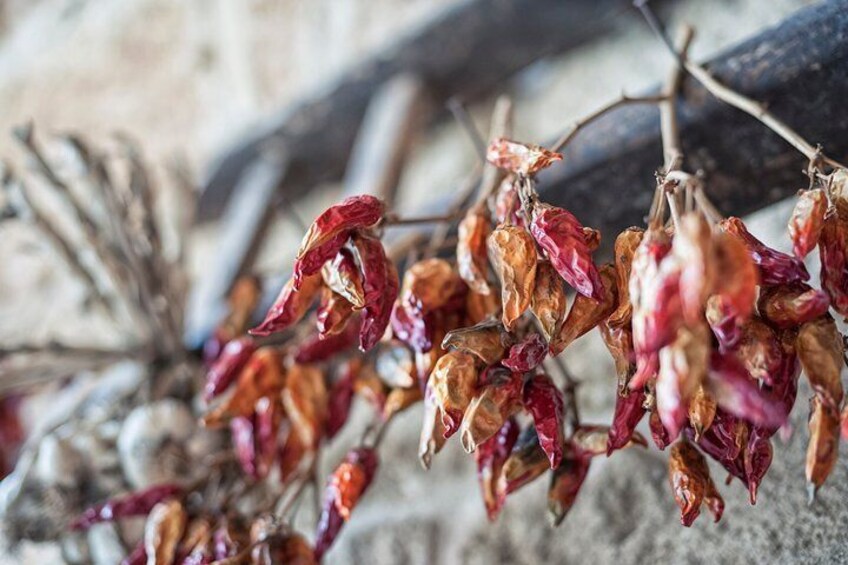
{"x": 480, "y": 307}
{"x": 497, "y": 400}
{"x": 196, "y": 545}
{"x": 823, "y": 446}
{"x": 521, "y": 158}
{"x": 346, "y": 486}
{"x": 760, "y": 350}
{"x": 546, "y": 404}
{"x": 805, "y": 224}
{"x": 490, "y": 457}
{"x": 454, "y": 382}
{"x": 837, "y": 186}
{"x": 629, "y": 411}
{"x": 565, "y": 484}
{"x": 328, "y": 233}
{"x": 428, "y": 285}
{"x": 513, "y": 255}
{"x": 399, "y": 399}
{"x": 507, "y": 202}
{"x": 619, "y": 342}
{"x": 789, "y": 306}
{"x": 381, "y": 286}
{"x": 163, "y": 530}
{"x": 683, "y": 368}
{"x": 702, "y": 411}
{"x": 756, "y": 460}
{"x": 334, "y": 311}
{"x": 262, "y": 376}
{"x": 488, "y": 341}
{"x": 290, "y": 306}
{"x": 587, "y": 313}
{"x": 472, "y": 258}
{"x": 292, "y": 453}
{"x": 625, "y": 247}
{"x": 833, "y": 252}
{"x": 737, "y": 392}
{"x": 775, "y": 267}
{"x": 432, "y": 437}
{"x": 342, "y": 276}
{"x": 526, "y": 462}
{"x": 691, "y": 483}
{"x": 305, "y": 399}
{"x": 819, "y": 347}
{"x": 290, "y": 548}
{"x": 693, "y": 248}
{"x": 549, "y": 301}
{"x": 561, "y": 236}
{"x": 594, "y": 440}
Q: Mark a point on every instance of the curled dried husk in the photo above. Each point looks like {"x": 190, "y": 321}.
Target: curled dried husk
{"x": 549, "y": 301}
{"x": 522, "y": 158}
{"x": 162, "y": 532}
{"x": 546, "y": 404}
{"x": 488, "y": 341}
{"x": 819, "y": 347}
{"x": 625, "y": 247}
{"x": 290, "y": 305}
{"x": 526, "y": 462}
{"x": 823, "y": 446}
{"x": 454, "y": 382}
{"x": 775, "y": 267}
{"x": 342, "y": 276}
{"x": 305, "y": 399}
{"x": 587, "y": 313}
{"x": 513, "y": 255}
{"x": 490, "y": 457}
{"x": 381, "y": 286}
{"x": 565, "y": 485}
{"x": 497, "y": 400}
{"x": 691, "y": 483}
{"x": 561, "y": 236}
{"x": 789, "y": 306}
{"x": 472, "y": 259}
{"x": 805, "y": 224}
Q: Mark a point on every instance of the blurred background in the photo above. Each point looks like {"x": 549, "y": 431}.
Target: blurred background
{"x": 197, "y": 81}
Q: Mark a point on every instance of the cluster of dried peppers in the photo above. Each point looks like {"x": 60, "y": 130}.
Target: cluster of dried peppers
{"x": 708, "y": 328}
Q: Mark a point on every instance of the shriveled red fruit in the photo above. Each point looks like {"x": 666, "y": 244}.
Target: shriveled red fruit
{"x": 522, "y": 158}
{"x": 546, "y": 404}
{"x": 789, "y": 306}
{"x": 290, "y": 306}
{"x": 775, "y": 267}
{"x": 806, "y": 222}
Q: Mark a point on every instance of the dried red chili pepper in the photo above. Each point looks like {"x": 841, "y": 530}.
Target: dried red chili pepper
{"x": 346, "y": 486}
{"x": 788, "y": 306}
{"x": 498, "y": 398}
{"x": 507, "y": 203}
{"x": 546, "y": 404}
{"x": 227, "y": 366}
{"x": 658, "y": 431}
{"x": 333, "y": 314}
{"x": 269, "y": 415}
{"x": 819, "y": 346}
{"x": 629, "y": 411}
{"x": 488, "y": 341}
{"x": 339, "y": 400}
{"x": 315, "y": 348}
{"x": 262, "y": 376}
{"x": 549, "y": 301}
{"x": 290, "y": 306}
{"x": 735, "y": 391}
{"x": 824, "y": 444}
{"x": 806, "y": 222}
{"x": 244, "y": 444}
{"x": 691, "y": 483}
{"x": 513, "y": 255}
{"x": 736, "y": 276}
{"x": 381, "y": 286}
{"x": 560, "y": 234}
{"x": 833, "y": 252}
{"x": 291, "y": 454}
{"x": 586, "y": 313}
{"x": 328, "y": 233}
{"x": 693, "y": 248}
{"x": 522, "y": 158}
{"x": 305, "y": 399}
{"x": 724, "y": 440}
{"x": 527, "y": 354}
{"x": 432, "y": 431}
{"x": 625, "y": 247}
{"x": 565, "y": 485}
{"x": 342, "y": 276}
{"x": 139, "y": 503}
{"x": 683, "y": 367}
{"x": 775, "y": 267}
{"x": 619, "y": 342}
{"x": 526, "y": 462}
{"x": 491, "y": 455}
{"x": 454, "y": 382}
{"x": 472, "y": 259}
{"x": 757, "y": 459}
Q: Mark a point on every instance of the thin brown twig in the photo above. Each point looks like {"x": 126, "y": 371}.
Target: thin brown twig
{"x": 460, "y": 113}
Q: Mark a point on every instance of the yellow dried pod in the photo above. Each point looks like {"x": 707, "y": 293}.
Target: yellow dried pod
{"x": 432, "y": 431}
{"x": 428, "y": 285}
{"x": 471, "y": 256}
{"x": 487, "y": 341}
{"x": 305, "y": 400}
{"x": 399, "y": 399}
{"x": 691, "y": 483}
{"x": 513, "y": 254}
{"x": 625, "y": 246}
{"x": 702, "y": 411}
{"x": 454, "y": 382}
{"x": 163, "y": 530}
{"x": 823, "y": 447}
{"x": 819, "y": 347}
{"x": 587, "y": 313}
{"x": 549, "y": 302}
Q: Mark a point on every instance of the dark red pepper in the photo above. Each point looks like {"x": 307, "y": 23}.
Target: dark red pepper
{"x": 527, "y": 354}
{"x": 227, "y": 366}
{"x": 136, "y": 504}
{"x": 775, "y": 267}
{"x": 381, "y": 287}
{"x": 546, "y": 404}
{"x": 490, "y": 456}
{"x": 629, "y": 411}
